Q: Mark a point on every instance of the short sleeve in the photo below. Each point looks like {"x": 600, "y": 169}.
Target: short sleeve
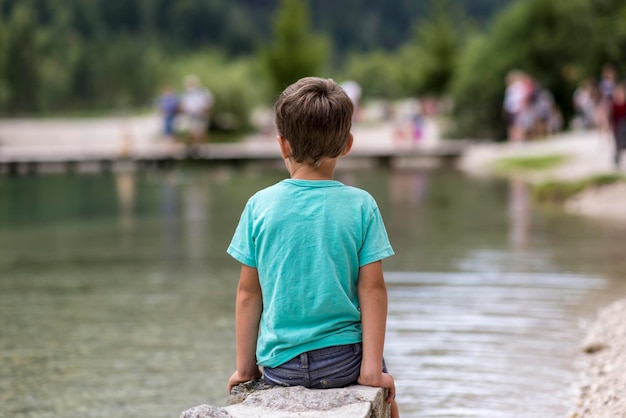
{"x": 242, "y": 247}
{"x": 376, "y": 245}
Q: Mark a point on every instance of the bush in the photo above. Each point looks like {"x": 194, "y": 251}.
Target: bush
{"x": 377, "y": 72}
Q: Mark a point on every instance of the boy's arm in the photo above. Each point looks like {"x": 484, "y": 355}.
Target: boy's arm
{"x": 249, "y": 305}
{"x": 373, "y": 303}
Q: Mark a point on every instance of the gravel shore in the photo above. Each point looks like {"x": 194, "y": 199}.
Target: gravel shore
{"x": 604, "y": 376}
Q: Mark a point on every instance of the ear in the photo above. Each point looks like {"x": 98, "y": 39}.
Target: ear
{"x": 346, "y": 150}
{"x": 285, "y": 148}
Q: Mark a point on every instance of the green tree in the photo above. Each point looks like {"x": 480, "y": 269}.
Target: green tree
{"x": 4, "y": 88}
{"x": 61, "y": 48}
{"x": 429, "y": 60}
{"x": 377, "y": 72}
{"x": 608, "y": 34}
{"x": 296, "y": 52}
{"x": 21, "y": 59}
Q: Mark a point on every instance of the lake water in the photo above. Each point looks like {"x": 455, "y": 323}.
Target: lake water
{"x": 117, "y": 296}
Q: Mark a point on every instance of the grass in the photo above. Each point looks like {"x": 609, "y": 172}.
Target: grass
{"x": 532, "y": 163}
{"x": 560, "y": 191}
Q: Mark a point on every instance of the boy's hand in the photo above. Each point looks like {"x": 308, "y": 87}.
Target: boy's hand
{"x": 238, "y": 378}
{"x": 384, "y": 380}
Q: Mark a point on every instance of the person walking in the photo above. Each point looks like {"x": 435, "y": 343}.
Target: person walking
{"x": 618, "y": 121}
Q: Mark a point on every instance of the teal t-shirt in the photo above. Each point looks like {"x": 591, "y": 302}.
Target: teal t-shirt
{"x": 307, "y": 240}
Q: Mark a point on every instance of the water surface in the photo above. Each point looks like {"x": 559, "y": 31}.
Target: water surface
{"x": 117, "y": 296}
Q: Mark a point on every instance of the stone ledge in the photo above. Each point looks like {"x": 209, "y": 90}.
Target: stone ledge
{"x": 255, "y": 399}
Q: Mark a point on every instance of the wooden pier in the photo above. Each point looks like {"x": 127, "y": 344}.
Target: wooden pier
{"x": 29, "y": 146}
{"x": 30, "y": 160}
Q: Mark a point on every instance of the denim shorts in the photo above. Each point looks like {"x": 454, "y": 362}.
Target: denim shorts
{"x": 330, "y": 367}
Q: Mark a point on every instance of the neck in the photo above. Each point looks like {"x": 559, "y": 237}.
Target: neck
{"x": 325, "y": 170}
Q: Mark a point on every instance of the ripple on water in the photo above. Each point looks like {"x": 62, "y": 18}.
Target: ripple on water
{"x": 484, "y": 344}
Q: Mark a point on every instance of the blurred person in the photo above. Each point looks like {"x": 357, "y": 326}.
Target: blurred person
{"x": 353, "y": 90}
{"x": 169, "y": 105}
{"x": 416, "y": 121}
{"x": 409, "y": 123}
{"x": 514, "y": 106}
{"x": 196, "y": 104}
{"x": 534, "y": 109}
{"x": 606, "y": 87}
{"x": 545, "y": 111}
{"x": 311, "y": 251}
{"x": 618, "y": 120}
{"x": 587, "y": 103}
{"x": 608, "y": 82}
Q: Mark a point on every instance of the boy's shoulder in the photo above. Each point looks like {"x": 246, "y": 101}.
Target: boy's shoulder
{"x": 288, "y": 186}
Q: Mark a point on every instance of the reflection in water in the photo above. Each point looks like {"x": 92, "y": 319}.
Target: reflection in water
{"x": 196, "y": 219}
{"x": 170, "y": 216}
{"x": 407, "y": 188}
{"x": 97, "y": 321}
{"x": 519, "y": 212}
{"x": 125, "y": 187}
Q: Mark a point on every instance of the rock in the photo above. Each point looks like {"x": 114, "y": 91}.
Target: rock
{"x": 257, "y": 399}
{"x": 593, "y": 347}
{"x": 205, "y": 411}
{"x": 604, "y": 376}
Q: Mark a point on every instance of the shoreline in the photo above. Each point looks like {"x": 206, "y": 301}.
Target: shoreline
{"x": 604, "y": 374}
{"x": 584, "y": 155}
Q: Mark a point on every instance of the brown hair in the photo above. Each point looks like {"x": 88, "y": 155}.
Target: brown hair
{"x": 315, "y": 116}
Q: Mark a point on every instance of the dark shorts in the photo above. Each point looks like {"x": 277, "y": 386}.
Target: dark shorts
{"x": 330, "y": 367}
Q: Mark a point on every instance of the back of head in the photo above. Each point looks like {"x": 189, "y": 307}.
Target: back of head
{"x": 315, "y": 116}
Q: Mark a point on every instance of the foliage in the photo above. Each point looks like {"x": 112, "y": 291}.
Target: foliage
{"x": 429, "y": 59}
{"x": 608, "y": 34}
{"x": 560, "y": 191}
{"x": 376, "y": 72}
{"x": 543, "y": 162}
{"x": 47, "y": 67}
{"x": 20, "y": 56}
{"x": 296, "y": 52}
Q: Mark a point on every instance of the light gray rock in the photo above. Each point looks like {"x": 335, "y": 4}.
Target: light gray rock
{"x": 604, "y": 378}
{"x": 205, "y": 411}
{"x": 256, "y": 399}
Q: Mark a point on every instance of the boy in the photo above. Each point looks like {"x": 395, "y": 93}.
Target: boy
{"x": 311, "y": 250}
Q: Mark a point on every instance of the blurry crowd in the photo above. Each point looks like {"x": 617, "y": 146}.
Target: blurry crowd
{"x": 530, "y": 110}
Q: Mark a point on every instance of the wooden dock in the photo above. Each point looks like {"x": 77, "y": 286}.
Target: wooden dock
{"x": 120, "y": 144}
{"x": 22, "y": 160}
